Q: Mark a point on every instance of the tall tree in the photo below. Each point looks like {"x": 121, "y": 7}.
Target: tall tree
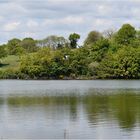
{"x": 29, "y": 44}
{"x": 125, "y": 35}
{"x": 53, "y": 42}
{"x": 73, "y": 40}
{"x": 2, "y": 51}
{"x": 92, "y": 37}
{"x": 13, "y": 46}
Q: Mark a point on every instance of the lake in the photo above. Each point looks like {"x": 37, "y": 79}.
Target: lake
{"x": 100, "y": 109}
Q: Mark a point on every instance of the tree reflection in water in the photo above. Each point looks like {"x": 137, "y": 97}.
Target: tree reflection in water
{"x": 122, "y": 107}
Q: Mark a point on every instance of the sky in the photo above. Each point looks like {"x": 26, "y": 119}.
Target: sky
{"x": 41, "y": 18}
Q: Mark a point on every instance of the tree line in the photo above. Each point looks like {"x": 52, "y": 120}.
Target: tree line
{"x": 107, "y": 55}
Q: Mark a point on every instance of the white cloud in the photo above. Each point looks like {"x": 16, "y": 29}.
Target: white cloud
{"x": 29, "y": 34}
{"x": 65, "y": 20}
{"x": 39, "y": 18}
{"x": 11, "y": 26}
{"x": 102, "y": 24}
{"x": 72, "y": 20}
{"x": 1, "y": 18}
{"x": 32, "y": 24}
{"x": 135, "y": 12}
{"x": 104, "y": 9}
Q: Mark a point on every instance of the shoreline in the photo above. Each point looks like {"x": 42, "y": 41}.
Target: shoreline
{"x": 66, "y": 79}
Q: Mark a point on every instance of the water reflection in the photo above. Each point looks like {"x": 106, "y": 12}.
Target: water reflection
{"x": 121, "y": 107}
{"x": 77, "y": 109}
{"x": 125, "y": 108}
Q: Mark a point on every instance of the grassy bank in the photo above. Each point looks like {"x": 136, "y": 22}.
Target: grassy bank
{"x": 9, "y": 67}
{"x": 9, "y": 62}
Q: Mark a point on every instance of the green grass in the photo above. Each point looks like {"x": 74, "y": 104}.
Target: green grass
{"x": 11, "y": 61}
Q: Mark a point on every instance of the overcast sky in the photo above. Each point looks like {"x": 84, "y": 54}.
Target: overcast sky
{"x": 40, "y": 18}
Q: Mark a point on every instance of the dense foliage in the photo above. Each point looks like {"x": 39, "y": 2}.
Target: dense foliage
{"x": 112, "y": 55}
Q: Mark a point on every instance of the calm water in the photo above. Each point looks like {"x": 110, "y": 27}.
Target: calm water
{"x": 70, "y": 109}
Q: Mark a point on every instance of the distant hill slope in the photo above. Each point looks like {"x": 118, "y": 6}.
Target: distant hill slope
{"x": 11, "y": 61}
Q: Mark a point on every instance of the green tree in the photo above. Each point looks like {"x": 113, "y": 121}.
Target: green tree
{"x": 126, "y": 34}
{"x": 3, "y": 52}
{"x": 99, "y": 49}
{"x": 92, "y": 37}
{"x": 54, "y": 42}
{"x": 29, "y": 44}
{"x": 73, "y": 40}
{"x": 13, "y": 46}
{"x": 79, "y": 61}
{"x": 128, "y": 60}
{"x": 125, "y": 63}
